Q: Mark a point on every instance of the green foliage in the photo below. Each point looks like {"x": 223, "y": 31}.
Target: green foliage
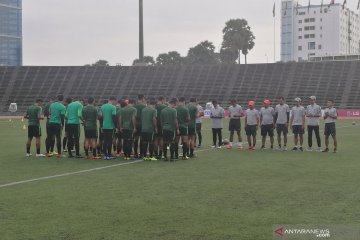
{"x": 100, "y": 63}
{"x": 203, "y": 53}
{"x": 148, "y": 61}
{"x": 170, "y": 58}
{"x": 237, "y": 35}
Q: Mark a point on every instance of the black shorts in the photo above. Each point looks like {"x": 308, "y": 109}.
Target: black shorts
{"x": 250, "y": 130}
{"x": 119, "y": 135}
{"x": 183, "y": 131}
{"x": 330, "y": 129}
{"x": 138, "y": 131}
{"x": 91, "y": 133}
{"x": 34, "y": 131}
{"x": 55, "y": 129}
{"x": 101, "y": 134}
{"x": 234, "y": 125}
{"x": 73, "y": 130}
{"x": 169, "y": 136}
{"x": 191, "y": 131}
{"x": 66, "y": 127}
{"x": 281, "y": 128}
{"x": 127, "y": 134}
{"x": 147, "y": 137}
{"x": 298, "y": 129}
{"x": 267, "y": 129}
{"x": 198, "y": 127}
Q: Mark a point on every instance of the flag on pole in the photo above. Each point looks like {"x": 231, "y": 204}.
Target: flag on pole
{"x": 343, "y": 6}
{"x": 297, "y": 7}
{"x": 358, "y": 4}
{"x": 309, "y": 7}
{"x": 274, "y": 10}
{"x": 322, "y": 3}
{"x": 285, "y": 8}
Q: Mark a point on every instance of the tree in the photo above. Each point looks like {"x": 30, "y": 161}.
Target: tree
{"x": 237, "y": 35}
{"x": 170, "y": 58}
{"x": 203, "y": 53}
{"x": 148, "y": 61}
{"x": 228, "y": 55}
{"x": 99, "y": 63}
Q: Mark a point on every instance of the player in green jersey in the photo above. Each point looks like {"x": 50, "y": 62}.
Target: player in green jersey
{"x": 56, "y": 124}
{"x": 119, "y": 146}
{"x": 193, "y": 112}
{"x": 34, "y": 115}
{"x": 170, "y": 127}
{"x": 148, "y": 130}
{"x": 73, "y": 116}
{"x": 65, "y": 138}
{"x": 108, "y": 115}
{"x": 140, "y": 105}
{"x": 46, "y": 111}
{"x": 89, "y": 117}
{"x": 158, "y": 144}
{"x": 183, "y": 118}
{"x": 127, "y": 126}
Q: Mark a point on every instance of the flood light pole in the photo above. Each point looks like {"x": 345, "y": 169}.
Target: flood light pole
{"x": 141, "y": 32}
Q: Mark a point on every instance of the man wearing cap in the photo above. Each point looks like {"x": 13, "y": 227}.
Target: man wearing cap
{"x": 282, "y": 118}
{"x": 267, "y": 123}
{"x": 251, "y": 124}
{"x": 236, "y": 113}
{"x": 297, "y": 123}
{"x": 217, "y": 114}
{"x": 313, "y": 114}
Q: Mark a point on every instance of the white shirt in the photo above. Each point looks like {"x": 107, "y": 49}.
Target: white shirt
{"x": 235, "y": 112}
{"x": 313, "y": 110}
{"x": 282, "y": 111}
{"x": 200, "y": 110}
{"x": 332, "y": 112}
{"x": 267, "y": 115}
{"x": 252, "y": 116}
{"x": 298, "y": 113}
{"x": 217, "y": 111}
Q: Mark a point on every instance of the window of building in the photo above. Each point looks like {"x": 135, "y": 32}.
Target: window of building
{"x": 311, "y": 35}
{"x": 311, "y": 46}
{"x": 307, "y": 20}
{"x": 300, "y": 37}
{"x": 299, "y": 59}
{"x": 300, "y": 29}
{"x": 313, "y": 19}
{"x": 319, "y": 47}
{"x": 300, "y": 48}
{"x": 311, "y": 27}
{"x": 306, "y": 36}
{"x": 300, "y": 21}
{"x": 306, "y": 28}
{"x": 301, "y": 13}
{"x": 325, "y": 10}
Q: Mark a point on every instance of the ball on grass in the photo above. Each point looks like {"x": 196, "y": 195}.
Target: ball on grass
{"x": 353, "y": 123}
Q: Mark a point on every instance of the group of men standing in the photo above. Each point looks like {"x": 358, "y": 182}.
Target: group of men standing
{"x": 281, "y": 118}
{"x": 125, "y": 126}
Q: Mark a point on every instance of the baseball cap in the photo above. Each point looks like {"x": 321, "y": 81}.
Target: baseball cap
{"x": 297, "y": 99}
{"x": 251, "y": 103}
{"x": 266, "y": 101}
{"x": 312, "y": 98}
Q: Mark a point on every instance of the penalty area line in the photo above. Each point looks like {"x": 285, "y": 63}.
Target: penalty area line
{"x": 67, "y": 174}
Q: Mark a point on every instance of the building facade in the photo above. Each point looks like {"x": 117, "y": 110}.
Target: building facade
{"x": 318, "y": 31}
{"x": 10, "y": 33}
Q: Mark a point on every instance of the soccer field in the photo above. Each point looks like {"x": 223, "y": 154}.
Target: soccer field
{"x": 222, "y": 194}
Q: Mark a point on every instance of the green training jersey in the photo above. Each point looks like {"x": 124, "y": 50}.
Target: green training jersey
{"x": 159, "y": 108}
{"x": 139, "y": 107}
{"x": 46, "y": 111}
{"x": 127, "y": 113}
{"x": 33, "y": 112}
{"x": 182, "y": 116}
{"x": 90, "y": 115}
{"x": 193, "y": 114}
{"x": 73, "y": 113}
{"x": 147, "y": 120}
{"x": 168, "y": 117}
{"x": 57, "y": 109}
{"x": 108, "y": 112}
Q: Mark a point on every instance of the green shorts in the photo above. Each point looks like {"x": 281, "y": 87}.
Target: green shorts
{"x": 191, "y": 131}
{"x": 183, "y": 131}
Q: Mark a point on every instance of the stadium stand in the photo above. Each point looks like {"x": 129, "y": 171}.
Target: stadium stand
{"x": 335, "y": 80}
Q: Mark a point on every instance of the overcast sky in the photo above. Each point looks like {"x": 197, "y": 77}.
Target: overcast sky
{"x": 77, "y": 32}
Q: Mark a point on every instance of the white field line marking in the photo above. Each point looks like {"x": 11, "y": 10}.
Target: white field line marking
{"x": 99, "y": 168}
{"x": 67, "y": 174}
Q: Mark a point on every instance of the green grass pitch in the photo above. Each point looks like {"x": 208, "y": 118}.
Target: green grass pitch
{"x": 222, "y": 194}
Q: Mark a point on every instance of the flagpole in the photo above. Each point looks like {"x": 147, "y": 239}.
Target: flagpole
{"x": 274, "y": 15}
